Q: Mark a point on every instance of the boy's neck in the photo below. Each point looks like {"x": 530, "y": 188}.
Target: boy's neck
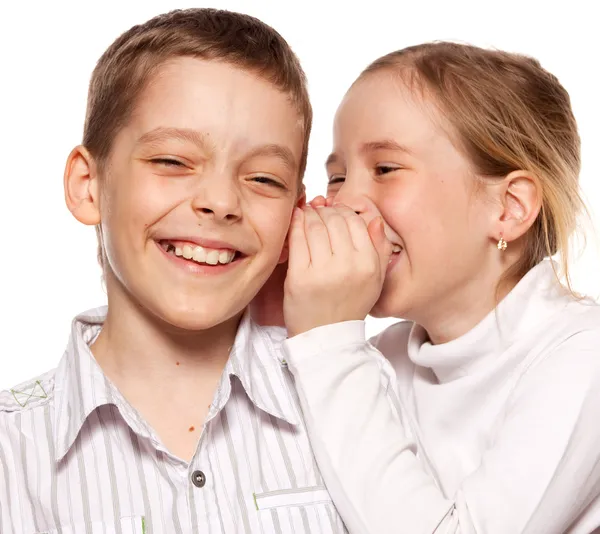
{"x": 136, "y": 345}
{"x": 168, "y": 375}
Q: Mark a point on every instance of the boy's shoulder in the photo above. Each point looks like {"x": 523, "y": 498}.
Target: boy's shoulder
{"x": 276, "y": 335}
{"x": 29, "y": 394}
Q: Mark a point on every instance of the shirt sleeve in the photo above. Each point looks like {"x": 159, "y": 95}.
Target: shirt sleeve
{"x": 540, "y": 473}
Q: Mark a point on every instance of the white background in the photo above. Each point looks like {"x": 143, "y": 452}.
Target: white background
{"x": 48, "y": 50}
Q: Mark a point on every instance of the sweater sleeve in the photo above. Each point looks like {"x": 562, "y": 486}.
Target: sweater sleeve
{"x": 541, "y": 471}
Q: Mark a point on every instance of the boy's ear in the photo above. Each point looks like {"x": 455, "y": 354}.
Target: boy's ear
{"x": 301, "y": 201}
{"x": 285, "y": 251}
{"x": 521, "y": 201}
{"x": 82, "y": 192}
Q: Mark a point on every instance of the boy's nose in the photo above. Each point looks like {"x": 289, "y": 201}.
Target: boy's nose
{"x": 218, "y": 214}
{"x": 218, "y": 200}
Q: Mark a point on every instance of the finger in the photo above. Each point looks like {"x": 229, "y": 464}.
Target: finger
{"x": 339, "y": 233}
{"x": 317, "y": 237}
{"x": 318, "y": 202}
{"x": 382, "y": 244}
{"x": 357, "y": 227}
{"x": 299, "y": 254}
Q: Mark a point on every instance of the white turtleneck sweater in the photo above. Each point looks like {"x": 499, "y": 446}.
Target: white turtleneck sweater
{"x": 496, "y": 432}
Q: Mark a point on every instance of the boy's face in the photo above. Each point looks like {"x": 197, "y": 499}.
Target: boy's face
{"x": 199, "y": 191}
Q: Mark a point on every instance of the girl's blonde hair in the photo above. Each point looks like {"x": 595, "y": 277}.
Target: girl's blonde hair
{"x": 508, "y": 113}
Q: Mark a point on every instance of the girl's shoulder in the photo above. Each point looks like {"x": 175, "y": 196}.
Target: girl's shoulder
{"x": 578, "y": 323}
{"x": 393, "y": 342}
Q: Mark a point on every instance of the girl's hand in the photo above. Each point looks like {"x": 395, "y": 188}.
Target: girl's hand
{"x": 336, "y": 268}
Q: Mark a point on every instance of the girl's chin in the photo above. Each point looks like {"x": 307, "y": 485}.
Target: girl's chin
{"x": 388, "y": 305}
{"x": 381, "y": 310}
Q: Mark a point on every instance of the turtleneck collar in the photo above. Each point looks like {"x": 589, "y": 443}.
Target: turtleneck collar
{"x": 537, "y": 296}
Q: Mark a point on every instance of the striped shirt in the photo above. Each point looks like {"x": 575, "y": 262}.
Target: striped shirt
{"x": 77, "y": 458}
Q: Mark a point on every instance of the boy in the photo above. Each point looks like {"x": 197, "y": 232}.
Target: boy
{"x": 171, "y": 412}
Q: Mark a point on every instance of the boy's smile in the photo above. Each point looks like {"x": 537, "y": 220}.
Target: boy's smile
{"x": 198, "y": 192}
{"x": 201, "y": 252}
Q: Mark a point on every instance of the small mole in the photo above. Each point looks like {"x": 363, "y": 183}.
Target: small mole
{"x": 177, "y": 363}
{"x": 192, "y": 429}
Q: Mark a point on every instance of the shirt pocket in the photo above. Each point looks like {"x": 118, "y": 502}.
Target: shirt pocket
{"x": 127, "y": 525}
{"x": 290, "y": 511}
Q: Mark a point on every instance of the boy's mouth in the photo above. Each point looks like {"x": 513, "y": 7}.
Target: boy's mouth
{"x": 198, "y": 254}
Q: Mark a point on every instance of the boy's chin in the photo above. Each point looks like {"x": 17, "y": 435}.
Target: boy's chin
{"x": 198, "y": 319}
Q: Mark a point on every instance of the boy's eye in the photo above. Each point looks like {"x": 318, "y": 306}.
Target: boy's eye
{"x": 386, "y": 169}
{"x": 167, "y": 162}
{"x": 268, "y": 181}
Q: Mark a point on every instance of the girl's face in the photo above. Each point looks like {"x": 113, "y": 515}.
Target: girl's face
{"x": 394, "y": 157}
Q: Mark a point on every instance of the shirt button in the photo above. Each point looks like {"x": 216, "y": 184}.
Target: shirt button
{"x": 198, "y": 479}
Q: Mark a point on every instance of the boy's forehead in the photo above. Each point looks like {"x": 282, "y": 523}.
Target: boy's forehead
{"x": 217, "y": 99}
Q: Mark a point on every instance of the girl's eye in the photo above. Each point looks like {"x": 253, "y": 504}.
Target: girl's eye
{"x": 268, "y": 181}
{"x": 337, "y": 179}
{"x": 167, "y": 162}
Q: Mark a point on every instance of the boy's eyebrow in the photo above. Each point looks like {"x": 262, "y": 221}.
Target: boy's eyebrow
{"x": 199, "y": 139}
{"x": 182, "y": 134}
{"x": 273, "y": 150}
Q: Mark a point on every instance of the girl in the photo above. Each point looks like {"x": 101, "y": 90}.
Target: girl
{"x": 483, "y": 415}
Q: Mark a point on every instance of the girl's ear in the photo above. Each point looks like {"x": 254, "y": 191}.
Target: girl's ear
{"x": 520, "y": 197}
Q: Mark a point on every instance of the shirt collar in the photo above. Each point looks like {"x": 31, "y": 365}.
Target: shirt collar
{"x": 536, "y": 297}
{"x": 256, "y": 360}
{"x": 81, "y": 386}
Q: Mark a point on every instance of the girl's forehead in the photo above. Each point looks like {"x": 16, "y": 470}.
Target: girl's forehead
{"x": 382, "y": 108}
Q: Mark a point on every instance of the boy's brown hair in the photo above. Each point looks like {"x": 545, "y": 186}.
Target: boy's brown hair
{"x": 125, "y": 68}
{"x": 127, "y": 65}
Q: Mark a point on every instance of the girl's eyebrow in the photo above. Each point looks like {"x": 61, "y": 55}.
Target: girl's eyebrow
{"x": 372, "y": 146}
{"x": 331, "y": 159}
{"x": 385, "y": 144}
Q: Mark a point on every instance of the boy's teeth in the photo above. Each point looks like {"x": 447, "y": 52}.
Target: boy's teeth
{"x": 203, "y": 255}
{"x": 212, "y": 258}
{"x": 224, "y": 256}
{"x": 199, "y": 255}
{"x": 396, "y": 248}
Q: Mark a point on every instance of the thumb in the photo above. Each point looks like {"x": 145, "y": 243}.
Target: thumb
{"x": 381, "y": 243}
{"x": 299, "y": 254}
